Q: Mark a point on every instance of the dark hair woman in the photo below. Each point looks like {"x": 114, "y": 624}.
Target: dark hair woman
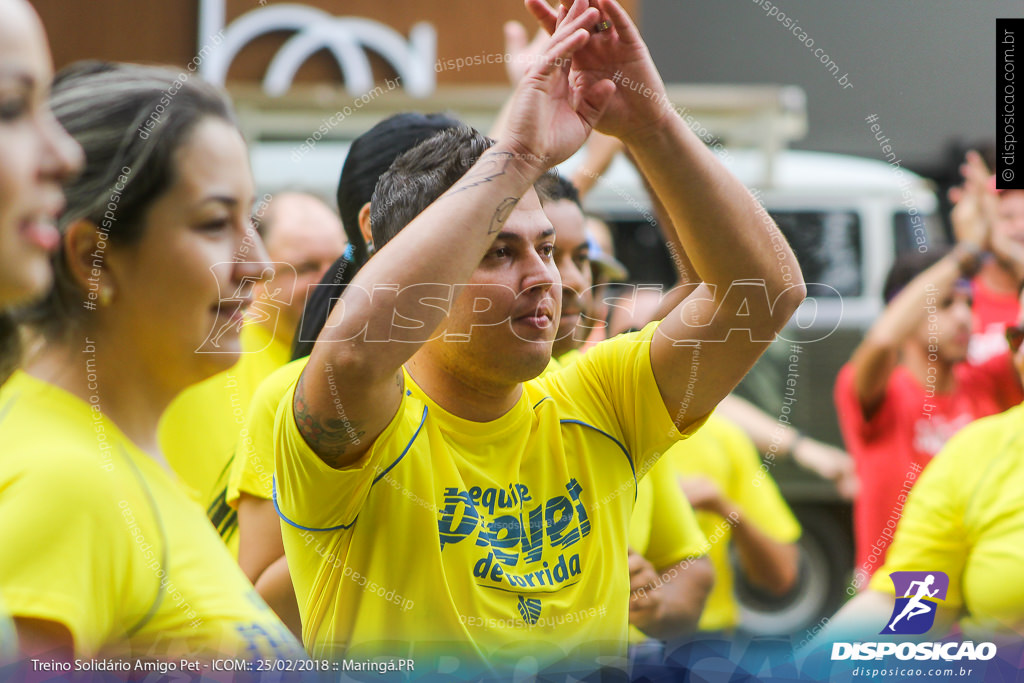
{"x": 104, "y": 553}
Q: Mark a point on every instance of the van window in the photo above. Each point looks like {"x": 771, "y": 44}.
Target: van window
{"x": 828, "y": 247}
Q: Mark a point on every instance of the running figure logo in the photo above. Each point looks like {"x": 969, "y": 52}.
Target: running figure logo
{"x": 917, "y": 596}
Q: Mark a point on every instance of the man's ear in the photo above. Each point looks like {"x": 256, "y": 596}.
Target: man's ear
{"x": 364, "y": 224}
{"x": 85, "y": 252}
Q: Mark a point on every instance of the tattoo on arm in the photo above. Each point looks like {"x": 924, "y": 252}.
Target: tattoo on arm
{"x": 330, "y": 439}
{"x": 492, "y": 165}
{"x": 502, "y": 213}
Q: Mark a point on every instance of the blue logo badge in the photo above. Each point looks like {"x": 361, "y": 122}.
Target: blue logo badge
{"x": 529, "y": 608}
{"x": 917, "y": 597}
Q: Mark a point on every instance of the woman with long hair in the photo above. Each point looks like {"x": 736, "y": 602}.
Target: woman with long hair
{"x": 103, "y": 551}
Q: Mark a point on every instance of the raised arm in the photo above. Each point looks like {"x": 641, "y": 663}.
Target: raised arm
{"x": 750, "y": 275}
{"x": 751, "y": 278}
{"x": 521, "y": 53}
{"x": 599, "y": 154}
{"x": 353, "y": 384}
{"x": 877, "y": 355}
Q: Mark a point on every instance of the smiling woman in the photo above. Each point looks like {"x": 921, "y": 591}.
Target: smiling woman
{"x": 170, "y": 206}
{"x": 155, "y": 239}
{"x": 36, "y": 155}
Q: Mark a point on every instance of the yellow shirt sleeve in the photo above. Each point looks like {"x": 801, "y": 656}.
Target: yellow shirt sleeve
{"x": 313, "y": 496}
{"x": 252, "y": 470}
{"x": 54, "y": 514}
{"x": 930, "y": 534}
{"x": 615, "y": 386}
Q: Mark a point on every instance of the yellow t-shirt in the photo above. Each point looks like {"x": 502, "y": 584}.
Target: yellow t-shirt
{"x": 489, "y": 541}
{"x": 100, "y": 538}
{"x": 723, "y": 453}
{"x": 203, "y": 425}
{"x": 252, "y": 470}
{"x": 965, "y": 517}
{"x": 663, "y": 527}
{"x": 568, "y": 358}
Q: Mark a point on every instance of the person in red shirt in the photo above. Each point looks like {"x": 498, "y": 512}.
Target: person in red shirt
{"x": 907, "y": 388}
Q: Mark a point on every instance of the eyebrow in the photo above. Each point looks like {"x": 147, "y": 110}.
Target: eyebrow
{"x": 220, "y": 199}
{"x": 515, "y": 237}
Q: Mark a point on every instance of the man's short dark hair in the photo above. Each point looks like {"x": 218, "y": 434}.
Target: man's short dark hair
{"x": 553, "y": 187}
{"x": 370, "y": 156}
{"x": 908, "y": 266}
{"x": 419, "y": 176}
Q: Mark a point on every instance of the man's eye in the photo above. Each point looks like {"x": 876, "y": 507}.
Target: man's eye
{"x": 547, "y": 251}
{"x": 502, "y": 252}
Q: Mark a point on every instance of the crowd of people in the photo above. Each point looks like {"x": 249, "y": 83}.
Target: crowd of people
{"x": 929, "y": 406}
{"x": 248, "y": 427}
